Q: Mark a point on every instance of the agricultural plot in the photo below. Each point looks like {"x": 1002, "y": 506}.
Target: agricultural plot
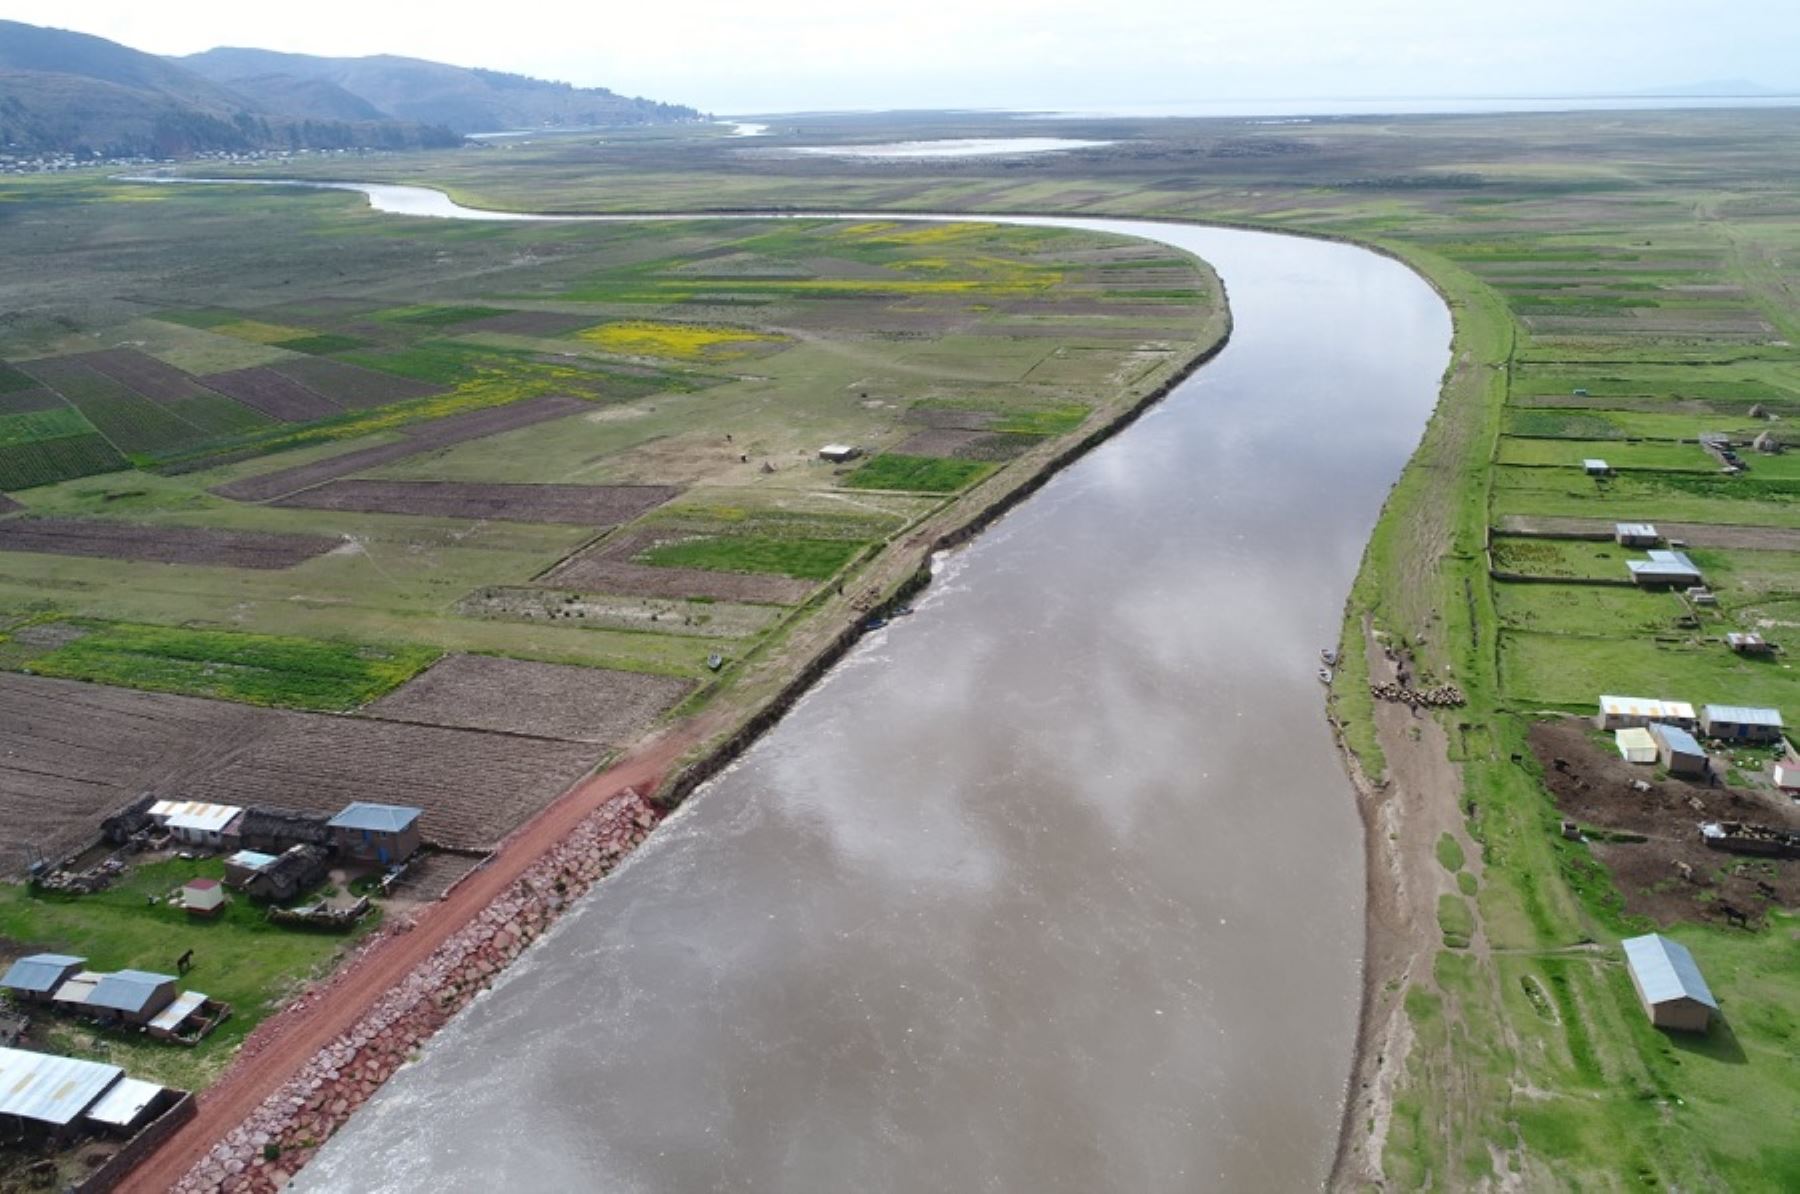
{"x": 598, "y": 506}
{"x": 1568, "y": 672}
{"x": 1567, "y": 559}
{"x": 611, "y": 567}
{"x": 1646, "y": 496}
{"x": 275, "y": 394}
{"x": 697, "y": 619}
{"x": 352, "y": 387}
{"x": 475, "y": 787}
{"x": 134, "y": 423}
{"x": 917, "y": 474}
{"x": 546, "y": 700}
{"x": 202, "y": 546}
{"x": 72, "y": 753}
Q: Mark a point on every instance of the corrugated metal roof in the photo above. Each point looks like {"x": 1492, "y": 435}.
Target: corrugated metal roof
{"x": 39, "y": 973}
{"x": 124, "y": 1103}
{"x": 185, "y": 1005}
{"x": 127, "y": 990}
{"x": 79, "y": 989}
{"x": 379, "y": 818}
{"x": 51, "y": 1089}
{"x": 1676, "y": 739}
{"x": 196, "y": 815}
{"x": 255, "y": 860}
{"x": 1650, "y": 707}
{"x": 1640, "y": 529}
{"x": 1745, "y": 715}
{"x": 1665, "y": 970}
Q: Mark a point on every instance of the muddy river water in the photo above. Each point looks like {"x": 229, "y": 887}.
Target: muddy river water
{"x": 1055, "y": 885}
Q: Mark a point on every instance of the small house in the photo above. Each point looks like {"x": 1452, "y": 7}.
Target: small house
{"x": 1635, "y": 745}
{"x": 75, "y": 992}
{"x": 1595, "y": 467}
{"x": 128, "y": 1106}
{"x": 204, "y": 898}
{"x": 35, "y": 977}
{"x": 1669, "y": 983}
{"x": 1701, "y": 595}
{"x": 1677, "y": 750}
{"x": 1619, "y": 712}
{"x": 134, "y": 996}
{"x": 189, "y": 1017}
{"x": 272, "y": 830}
{"x": 1787, "y": 776}
{"x": 1749, "y": 644}
{"x": 1767, "y": 444}
{"x": 45, "y": 1091}
{"x": 244, "y": 866}
{"x": 276, "y": 877}
{"x": 195, "y": 822}
{"x": 1665, "y": 568}
{"x": 839, "y": 453}
{"x": 1635, "y": 534}
{"x": 383, "y": 833}
{"x": 1741, "y": 723}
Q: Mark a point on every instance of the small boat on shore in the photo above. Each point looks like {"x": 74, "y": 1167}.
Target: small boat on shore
{"x": 715, "y": 662}
{"x": 1325, "y": 675}
{"x": 1329, "y": 656}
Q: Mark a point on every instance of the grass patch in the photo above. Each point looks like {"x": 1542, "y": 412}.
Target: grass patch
{"x": 259, "y": 669}
{"x": 918, "y": 474}
{"x": 808, "y": 559}
{"x": 438, "y": 317}
{"x": 1449, "y": 853}
{"x": 1455, "y": 921}
{"x": 238, "y": 958}
{"x": 1050, "y": 420}
{"x": 323, "y": 344}
{"x": 676, "y": 341}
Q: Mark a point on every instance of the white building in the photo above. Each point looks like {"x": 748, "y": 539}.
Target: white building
{"x": 194, "y": 821}
{"x": 1620, "y": 712}
{"x": 1665, "y": 568}
{"x": 1635, "y": 745}
{"x": 1635, "y": 534}
{"x": 1741, "y": 723}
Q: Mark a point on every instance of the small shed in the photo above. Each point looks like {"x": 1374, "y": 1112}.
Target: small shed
{"x": 272, "y": 830}
{"x": 194, "y": 821}
{"x": 1677, "y": 750}
{"x": 1635, "y": 534}
{"x": 1787, "y": 776}
{"x": 1635, "y": 745}
{"x": 1669, "y": 983}
{"x": 50, "y": 1091}
{"x": 1593, "y": 466}
{"x": 1749, "y": 644}
{"x": 839, "y": 453}
{"x": 383, "y": 833}
{"x": 298, "y": 868}
{"x": 1665, "y": 568}
{"x": 1741, "y": 723}
{"x": 1767, "y": 444}
{"x": 35, "y": 977}
{"x": 135, "y": 996}
{"x": 75, "y": 992}
{"x": 245, "y": 866}
{"x": 1619, "y": 712}
{"x": 1701, "y": 595}
{"x": 128, "y": 1106}
{"x": 203, "y": 897}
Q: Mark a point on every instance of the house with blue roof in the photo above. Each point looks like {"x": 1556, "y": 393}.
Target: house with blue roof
{"x": 1741, "y": 723}
{"x": 1679, "y": 752}
{"x": 1669, "y": 983}
{"x": 35, "y": 977}
{"x": 381, "y": 833}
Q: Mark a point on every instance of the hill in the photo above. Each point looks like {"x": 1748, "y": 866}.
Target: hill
{"x": 63, "y": 92}
{"x": 466, "y": 99}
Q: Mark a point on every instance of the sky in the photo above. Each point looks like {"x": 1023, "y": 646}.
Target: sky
{"x": 792, "y": 55}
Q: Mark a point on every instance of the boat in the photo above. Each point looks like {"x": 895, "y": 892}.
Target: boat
{"x": 1324, "y": 675}
{"x": 1329, "y": 656}
{"x": 875, "y": 623}
{"x": 715, "y": 662}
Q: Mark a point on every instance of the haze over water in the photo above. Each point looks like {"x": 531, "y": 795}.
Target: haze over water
{"x": 1053, "y": 886}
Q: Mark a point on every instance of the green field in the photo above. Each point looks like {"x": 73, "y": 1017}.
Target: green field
{"x": 809, "y": 559}
{"x": 918, "y": 474}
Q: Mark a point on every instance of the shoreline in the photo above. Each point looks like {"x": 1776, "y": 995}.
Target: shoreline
{"x": 213, "y": 1151}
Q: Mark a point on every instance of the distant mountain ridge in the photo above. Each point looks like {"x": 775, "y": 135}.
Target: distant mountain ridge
{"x": 465, "y": 99}
{"x": 72, "y": 93}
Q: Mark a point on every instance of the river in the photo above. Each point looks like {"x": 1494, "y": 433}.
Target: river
{"x": 1056, "y": 885}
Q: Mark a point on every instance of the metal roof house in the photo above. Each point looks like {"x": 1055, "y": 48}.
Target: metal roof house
{"x": 1595, "y": 467}
{"x": 1669, "y": 983}
{"x": 36, "y": 977}
{"x": 1677, "y": 750}
{"x": 1741, "y": 723}
{"x": 839, "y": 453}
{"x": 127, "y": 1105}
{"x": 1635, "y": 534}
{"x": 1748, "y": 643}
{"x": 1618, "y": 712}
{"x": 50, "y": 1090}
{"x": 135, "y": 996}
{"x": 1665, "y": 568}
{"x": 195, "y": 821}
{"x": 1635, "y": 745}
{"x": 383, "y": 833}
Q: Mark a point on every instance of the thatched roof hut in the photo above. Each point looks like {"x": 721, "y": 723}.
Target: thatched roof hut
{"x": 1759, "y": 411}
{"x": 1766, "y": 442}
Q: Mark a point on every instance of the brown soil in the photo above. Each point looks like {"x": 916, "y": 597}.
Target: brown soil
{"x": 144, "y": 375}
{"x": 530, "y": 323}
{"x": 598, "y": 506}
{"x": 24, "y": 402}
{"x": 1693, "y": 533}
{"x": 607, "y": 568}
{"x": 1593, "y": 788}
{"x": 72, "y": 753}
{"x": 966, "y": 445}
{"x": 274, "y": 394}
{"x": 422, "y": 437}
{"x": 161, "y": 544}
{"x": 579, "y": 704}
{"x": 353, "y": 386}
{"x": 475, "y": 787}
{"x": 8, "y": 506}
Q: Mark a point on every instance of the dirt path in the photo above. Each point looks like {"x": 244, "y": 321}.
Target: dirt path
{"x": 279, "y": 1047}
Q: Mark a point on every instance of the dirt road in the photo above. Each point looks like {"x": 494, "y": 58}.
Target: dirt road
{"x": 285, "y": 1042}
